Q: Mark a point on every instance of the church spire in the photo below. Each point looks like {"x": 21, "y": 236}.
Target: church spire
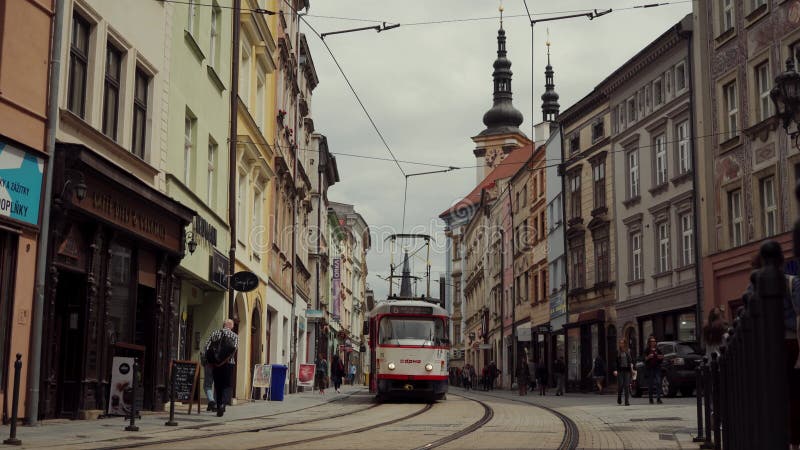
{"x": 502, "y": 117}
{"x": 550, "y": 97}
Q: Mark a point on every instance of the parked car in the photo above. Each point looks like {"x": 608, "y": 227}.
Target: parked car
{"x": 677, "y": 370}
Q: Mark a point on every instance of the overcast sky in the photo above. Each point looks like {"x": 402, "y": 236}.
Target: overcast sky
{"x": 428, "y": 86}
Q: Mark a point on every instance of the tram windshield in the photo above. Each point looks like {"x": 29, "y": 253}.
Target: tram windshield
{"x": 412, "y": 331}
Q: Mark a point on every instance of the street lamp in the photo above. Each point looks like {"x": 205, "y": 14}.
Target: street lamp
{"x": 786, "y": 96}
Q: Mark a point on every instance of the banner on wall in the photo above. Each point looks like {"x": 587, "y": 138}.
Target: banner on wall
{"x": 336, "y": 286}
{"x": 21, "y": 176}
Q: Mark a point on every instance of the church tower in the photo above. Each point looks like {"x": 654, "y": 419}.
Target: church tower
{"x": 502, "y": 134}
{"x": 550, "y": 104}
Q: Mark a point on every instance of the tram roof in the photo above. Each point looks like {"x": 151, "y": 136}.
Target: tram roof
{"x": 384, "y": 306}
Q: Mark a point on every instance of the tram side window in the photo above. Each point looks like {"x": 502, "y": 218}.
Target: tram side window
{"x": 402, "y": 330}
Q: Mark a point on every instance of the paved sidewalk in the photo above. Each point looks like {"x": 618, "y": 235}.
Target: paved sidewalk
{"x": 602, "y": 424}
{"x": 111, "y": 431}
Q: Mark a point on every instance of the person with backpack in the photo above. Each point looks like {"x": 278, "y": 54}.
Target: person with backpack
{"x": 220, "y": 353}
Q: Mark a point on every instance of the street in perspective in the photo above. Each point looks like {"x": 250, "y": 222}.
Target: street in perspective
{"x": 599, "y": 249}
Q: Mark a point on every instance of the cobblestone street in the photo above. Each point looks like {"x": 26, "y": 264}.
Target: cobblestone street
{"x": 352, "y": 419}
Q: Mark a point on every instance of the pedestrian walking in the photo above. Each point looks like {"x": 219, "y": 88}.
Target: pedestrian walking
{"x": 714, "y": 331}
{"x": 220, "y": 350}
{"x": 560, "y": 371}
{"x": 532, "y": 378}
{"x": 523, "y": 375}
{"x": 494, "y": 372}
{"x": 599, "y": 373}
{"x": 624, "y": 368}
{"x": 541, "y": 377}
{"x": 208, "y": 382}
{"x": 485, "y": 378}
{"x": 473, "y": 377}
{"x": 352, "y": 374}
{"x": 337, "y": 372}
{"x": 466, "y": 380}
{"x": 653, "y": 357}
{"x": 320, "y": 373}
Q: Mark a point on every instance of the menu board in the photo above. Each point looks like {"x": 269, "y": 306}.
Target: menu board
{"x": 186, "y": 376}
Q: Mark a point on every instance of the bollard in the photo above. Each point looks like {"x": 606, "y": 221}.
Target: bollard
{"x": 171, "y": 422}
{"x": 706, "y": 373}
{"x": 132, "y": 426}
{"x": 12, "y": 438}
{"x": 699, "y": 389}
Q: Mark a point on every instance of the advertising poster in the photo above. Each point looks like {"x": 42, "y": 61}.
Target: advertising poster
{"x": 262, "y": 374}
{"x": 305, "y": 376}
{"x": 336, "y": 286}
{"x": 120, "y": 396}
{"x": 20, "y": 184}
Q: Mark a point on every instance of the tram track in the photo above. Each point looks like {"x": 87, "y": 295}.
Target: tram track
{"x": 238, "y": 430}
{"x": 571, "y": 432}
{"x": 488, "y": 414}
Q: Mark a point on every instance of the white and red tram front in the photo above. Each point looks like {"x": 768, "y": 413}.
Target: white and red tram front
{"x": 410, "y": 348}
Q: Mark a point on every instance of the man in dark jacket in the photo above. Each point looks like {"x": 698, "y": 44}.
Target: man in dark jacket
{"x": 226, "y": 342}
{"x": 560, "y": 371}
{"x": 653, "y": 357}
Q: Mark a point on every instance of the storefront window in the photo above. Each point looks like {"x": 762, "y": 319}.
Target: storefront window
{"x": 8, "y": 246}
{"x": 686, "y": 327}
{"x": 119, "y": 304}
{"x": 595, "y": 343}
{"x": 574, "y": 363}
{"x": 647, "y": 330}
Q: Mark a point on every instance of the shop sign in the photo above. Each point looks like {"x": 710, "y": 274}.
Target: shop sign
{"x": 557, "y": 306}
{"x": 120, "y": 396}
{"x": 524, "y": 333}
{"x": 314, "y": 313}
{"x": 244, "y": 281}
{"x": 20, "y": 184}
{"x": 219, "y": 269}
{"x": 135, "y": 215}
{"x": 336, "y": 281}
{"x": 205, "y": 230}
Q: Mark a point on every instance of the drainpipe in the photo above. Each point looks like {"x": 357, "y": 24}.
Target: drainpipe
{"x": 232, "y": 172}
{"x": 35, "y": 355}
{"x": 562, "y": 170}
{"x": 698, "y": 272}
{"x": 512, "y": 369}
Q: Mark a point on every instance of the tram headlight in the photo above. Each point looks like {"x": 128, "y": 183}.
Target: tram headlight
{"x": 392, "y": 366}
{"x": 429, "y": 367}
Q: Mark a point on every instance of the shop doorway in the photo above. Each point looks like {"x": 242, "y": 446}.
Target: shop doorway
{"x": 70, "y": 323}
{"x": 146, "y": 337}
{"x": 255, "y": 337}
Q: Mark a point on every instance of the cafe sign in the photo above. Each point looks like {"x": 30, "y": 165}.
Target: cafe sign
{"x": 20, "y": 184}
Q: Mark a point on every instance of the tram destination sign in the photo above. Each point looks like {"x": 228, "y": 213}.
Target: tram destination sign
{"x": 244, "y": 281}
{"x": 411, "y": 310}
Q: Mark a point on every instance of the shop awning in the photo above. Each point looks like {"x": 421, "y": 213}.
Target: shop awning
{"x": 597, "y": 315}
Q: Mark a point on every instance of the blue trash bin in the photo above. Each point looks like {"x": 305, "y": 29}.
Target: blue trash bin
{"x": 277, "y": 382}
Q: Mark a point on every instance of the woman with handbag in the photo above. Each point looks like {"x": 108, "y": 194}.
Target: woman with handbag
{"x": 320, "y": 373}
{"x": 337, "y": 372}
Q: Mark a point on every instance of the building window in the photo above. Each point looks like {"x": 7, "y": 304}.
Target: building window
{"x": 211, "y": 191}
{"x": 213, "y": 53}
{"x": 78, "y": 66}
{"x": 631, "y": 109}
{"x": 658, "y": 92}
{"x": 687, "y": 239}
{"x": 111, "y": 91}
{"x": 647, "y": 103}
{"x": 601, "y": 260}
{"x": 599, "y": 184}
{"x": 794, "y": 53}
{"x": 575, "y": 195}
{"x": 138, "y": 145}
{"x": 244, "y": 73}
{"x": 727, "y": 15}
{"x": 680, "y": 77}
{"x": 535, "y": 287}
{"x": 191, "y": 19}
{"x": 525, "y": 195}
{"x": 621, "y": 117}
{"x": 663, "y": 247}
{"x": 188, "y": 148}
{"x": 256, "y": 217}
{"x": 661, "y": 159}
{"x": 755, "y": 4}
{"x": 684, "y": 148}
{"x": 633, "y": 174}
{"x": 768, "y": 206}
{"x": 577, "y": 275}
{"x": 260, "y": 100}
{"x": 597, "y": 131}
{"x": 636, "y": 256}
{"x": 732, "y": 110}
{"x": 763, "y": 86}
{"x": 241, "y": 195}
{"x": 640, "y": 96}
{"x": 736, "y": 219}
{"x": 575, "y": 143}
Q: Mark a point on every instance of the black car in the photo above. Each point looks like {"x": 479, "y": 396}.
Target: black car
{"x": 677, "y": 370}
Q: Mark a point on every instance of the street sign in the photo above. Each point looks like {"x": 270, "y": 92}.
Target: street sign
{"x": 244, "y": 281}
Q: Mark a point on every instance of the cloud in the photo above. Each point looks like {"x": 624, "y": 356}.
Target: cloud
{"x": 427, "y": 88}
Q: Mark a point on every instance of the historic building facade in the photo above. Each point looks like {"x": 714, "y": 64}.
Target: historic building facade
{"x": 650, "y": 96}
{"x": 590, "y": 234}
{"x": 25, "y": 41}
{"x": 745, "y": 160}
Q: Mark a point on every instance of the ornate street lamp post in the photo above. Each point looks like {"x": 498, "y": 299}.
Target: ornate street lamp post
{"x": 786, "y": 96}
